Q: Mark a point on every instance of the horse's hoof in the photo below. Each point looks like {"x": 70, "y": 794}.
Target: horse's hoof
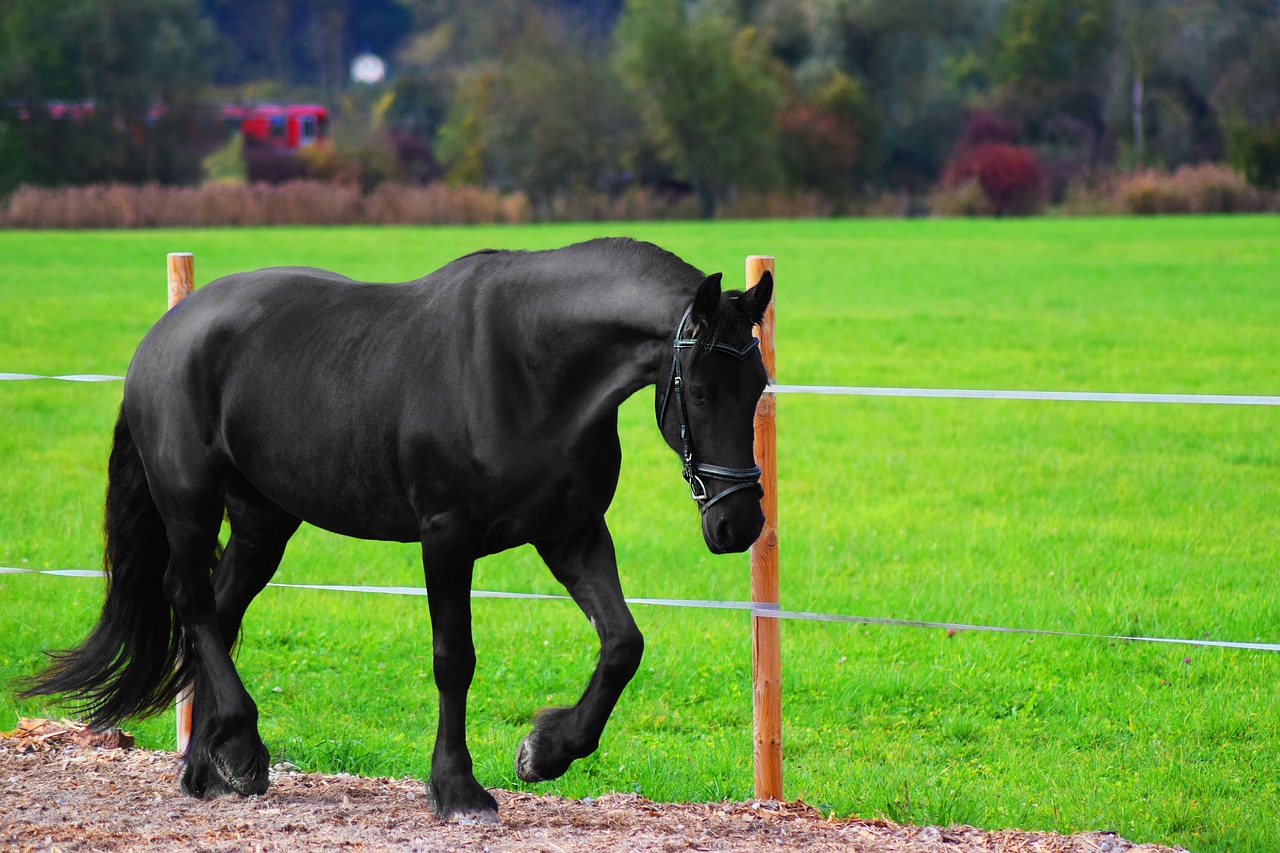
{"x": 475, "y": 806}
{"x": 204, "y": 782}
{"x": 210, "y": 773}
{"x": 544, "y": 754}
{"x": 526, "y": 768}
{"x": 193, "y": 782}
{"x": 244, "y": 784}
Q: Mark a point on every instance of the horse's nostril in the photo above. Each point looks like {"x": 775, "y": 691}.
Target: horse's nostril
{"x": 724, "y": 531}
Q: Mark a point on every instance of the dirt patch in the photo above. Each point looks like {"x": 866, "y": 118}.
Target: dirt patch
{"x": 61, "y": 794}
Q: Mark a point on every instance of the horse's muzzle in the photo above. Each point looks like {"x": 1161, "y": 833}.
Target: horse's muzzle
{"x": 731, "y": 526}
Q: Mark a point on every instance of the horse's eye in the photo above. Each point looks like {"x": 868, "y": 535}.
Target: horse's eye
{"x": 697, "y": 393}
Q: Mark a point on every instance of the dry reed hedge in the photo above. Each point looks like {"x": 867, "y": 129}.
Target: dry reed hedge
{"x": 1206, "y": 188}
{"x": 325, "y": 203}
{"x": 1202, "y": 188}
{"x": 293, "y": 203}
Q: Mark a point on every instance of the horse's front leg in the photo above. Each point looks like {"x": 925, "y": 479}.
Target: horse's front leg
{"x": 452, "y": 789}
{"x": 585, "y": 563}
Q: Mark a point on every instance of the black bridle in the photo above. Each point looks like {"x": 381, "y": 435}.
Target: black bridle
{"x": 694, "y": 471}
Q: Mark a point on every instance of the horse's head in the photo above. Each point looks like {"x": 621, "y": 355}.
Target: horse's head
{"x": 707, "y": 411}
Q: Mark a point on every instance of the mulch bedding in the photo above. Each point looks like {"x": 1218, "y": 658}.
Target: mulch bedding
{"x": 66, "y": 788}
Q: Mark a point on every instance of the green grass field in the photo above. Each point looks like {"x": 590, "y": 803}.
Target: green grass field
{"x": 1149, "y": 520}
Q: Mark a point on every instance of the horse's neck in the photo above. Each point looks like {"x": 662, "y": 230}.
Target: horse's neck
{"x": 618, "y": 341}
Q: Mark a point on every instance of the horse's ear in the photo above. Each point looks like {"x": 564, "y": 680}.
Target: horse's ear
{"x": 707, "y": 302}
{"x": 754, "y": 302}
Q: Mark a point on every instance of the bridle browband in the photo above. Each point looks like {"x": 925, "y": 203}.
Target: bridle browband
{"x": 738, "y": 478}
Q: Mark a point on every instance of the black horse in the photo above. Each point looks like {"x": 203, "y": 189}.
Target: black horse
{"x": 472, "y": 410}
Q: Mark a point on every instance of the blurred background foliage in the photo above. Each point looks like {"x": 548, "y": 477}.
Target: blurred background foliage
{"x": 1004, "y": 106}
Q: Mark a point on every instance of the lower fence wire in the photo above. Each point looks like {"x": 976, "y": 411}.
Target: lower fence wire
{"x": 767, "y": 611}
{"x": 70, "y": 377}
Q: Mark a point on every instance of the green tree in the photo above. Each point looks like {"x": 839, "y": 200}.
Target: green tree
{"x": 1053, "y": 41}
{"x": 561, "y": 123}
{"x": 137, "y": 62}
{"x": 1051, "y": 66}
{"x": 258, "y": 41}
{"x": 1243, "y": 85}
{"x": 142, "y": 64}
{"x": 448, "y": 68}
{"x": 551, "y": 118}
{"x": 1142, "y": 27}
{"x": 32, "y": 69}
{"x": 548, "y": 117}
{"x": 914, "y": 60}
{"x": 707, "y": 90}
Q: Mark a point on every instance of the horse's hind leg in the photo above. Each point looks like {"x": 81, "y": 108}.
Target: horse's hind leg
{"x": 226, "y": 754}
{"x": 586, "y": 565}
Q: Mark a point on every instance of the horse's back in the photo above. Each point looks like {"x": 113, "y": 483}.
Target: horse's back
{"x": 279, "y": 311}
{"x": 289, "y": 376}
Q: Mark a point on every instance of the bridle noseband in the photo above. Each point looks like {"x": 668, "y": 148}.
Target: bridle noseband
{"x": 738, "y": 478}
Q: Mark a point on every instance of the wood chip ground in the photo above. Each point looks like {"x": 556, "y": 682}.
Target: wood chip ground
{"x": 62, "y": 793}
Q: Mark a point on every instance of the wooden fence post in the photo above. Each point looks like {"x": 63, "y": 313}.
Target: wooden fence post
{"x": 766, "y": 645}
{"x": 181, "y": 283}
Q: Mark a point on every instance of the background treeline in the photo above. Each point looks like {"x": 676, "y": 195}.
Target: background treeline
{"x": 668, "y": 106}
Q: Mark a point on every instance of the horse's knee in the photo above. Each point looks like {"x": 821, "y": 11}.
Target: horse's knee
{"x": 453, "y": 668}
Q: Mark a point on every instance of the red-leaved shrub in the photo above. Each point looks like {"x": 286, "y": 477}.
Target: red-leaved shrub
{"x": 1010, "y": 177}
{"x": 819, "y": 150}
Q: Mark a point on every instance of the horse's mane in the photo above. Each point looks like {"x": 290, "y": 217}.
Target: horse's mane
{"x": 615, "y": 251}
{"x": 647, "y": 253}
{"x": 674, "y": 281}
{"x": 726, "y": 323}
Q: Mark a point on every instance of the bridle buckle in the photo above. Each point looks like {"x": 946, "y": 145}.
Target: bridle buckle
{"x": 697, "y": 489}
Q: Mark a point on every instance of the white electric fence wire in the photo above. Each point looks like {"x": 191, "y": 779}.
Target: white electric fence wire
{"x": 70, "y": 377}
{"x": 874, "y": 391}
{"x": 1064, "y": 396}
{"x": 770, "y": 611}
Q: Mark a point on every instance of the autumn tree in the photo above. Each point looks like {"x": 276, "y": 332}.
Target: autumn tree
{"x": 821, "y": 137}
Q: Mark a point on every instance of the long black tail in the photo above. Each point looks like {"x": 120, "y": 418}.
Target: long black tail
{"x": 129, "y": 664}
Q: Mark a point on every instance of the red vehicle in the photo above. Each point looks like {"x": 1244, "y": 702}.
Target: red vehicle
{"x": 287, "y": 127}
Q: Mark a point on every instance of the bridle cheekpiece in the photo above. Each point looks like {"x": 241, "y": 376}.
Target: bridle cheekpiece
{"x": 694, "y": 471}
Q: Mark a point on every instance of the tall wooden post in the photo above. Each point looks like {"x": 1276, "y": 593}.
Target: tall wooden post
{"x": 182, "y": 276}
{"x": 766, "y": 641}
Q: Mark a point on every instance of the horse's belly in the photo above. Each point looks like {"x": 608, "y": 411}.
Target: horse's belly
{"x": 356, "y": 515}
{"x": 561, "y": 502}
{"x": 383, "y": 530}
{"x": 338, "y": 491}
